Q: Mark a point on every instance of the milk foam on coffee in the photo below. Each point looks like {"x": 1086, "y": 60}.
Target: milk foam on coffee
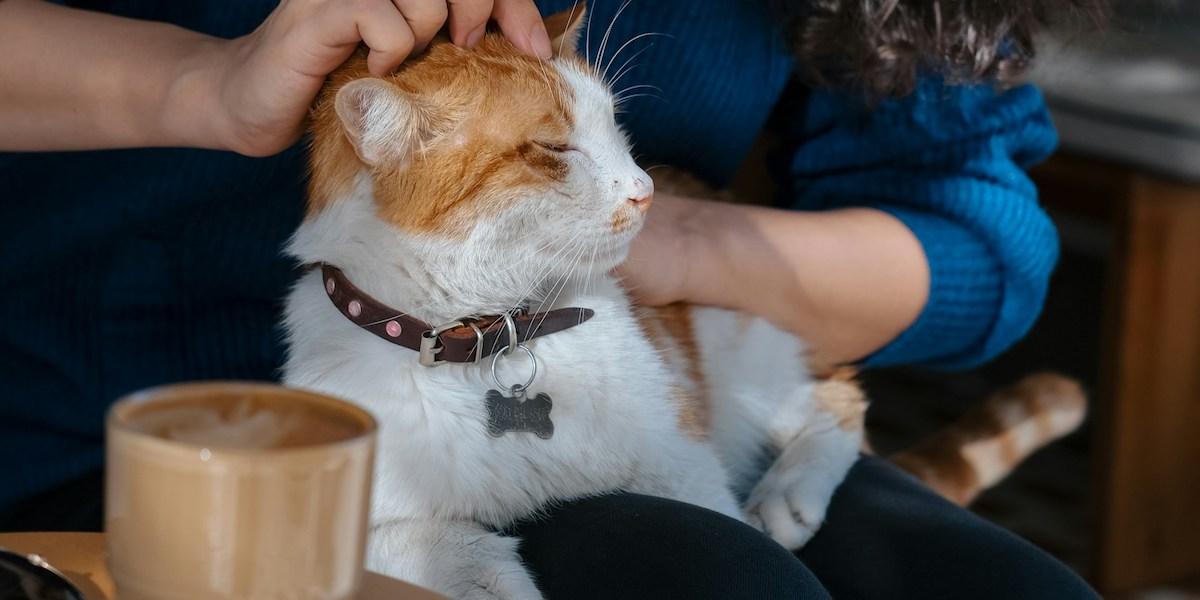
{"x": 246, "y": 422}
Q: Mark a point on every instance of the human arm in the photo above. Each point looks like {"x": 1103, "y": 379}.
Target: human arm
{"x": 75, "y": 80}
{"x": 946, "y": 163}
{"x": 803, "y": 271}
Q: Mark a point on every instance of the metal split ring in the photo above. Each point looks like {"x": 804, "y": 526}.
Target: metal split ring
{"x": 511, "y": 326}
{"x": 532, "y": 375}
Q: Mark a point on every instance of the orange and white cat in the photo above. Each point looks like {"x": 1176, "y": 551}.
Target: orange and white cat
{"x": 475, "y": 181}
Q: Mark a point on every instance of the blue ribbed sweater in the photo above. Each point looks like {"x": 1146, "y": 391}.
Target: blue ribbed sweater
{"x": 124, "y": 269}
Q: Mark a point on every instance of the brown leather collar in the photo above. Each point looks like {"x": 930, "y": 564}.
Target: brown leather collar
{"x": 462, "y": 341}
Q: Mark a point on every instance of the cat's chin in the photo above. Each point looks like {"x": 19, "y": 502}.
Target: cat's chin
{"x": 605, "y": 261}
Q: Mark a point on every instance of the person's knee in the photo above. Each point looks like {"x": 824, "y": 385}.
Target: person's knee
{"x": 1008, "y": 567}
{"x": 887, "y": 536}
{"x": 656, "y": 548}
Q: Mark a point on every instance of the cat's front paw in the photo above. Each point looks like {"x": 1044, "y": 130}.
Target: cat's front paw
{"x": 506, "y": 580}
{"x": 789, "y": 504}
{"x": 492, "y": 570}
{"x": 459, "y": 559}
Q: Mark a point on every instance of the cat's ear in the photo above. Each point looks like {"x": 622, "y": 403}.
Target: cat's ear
{"x": 385, "y": 124}
{"x": 564, "y": 29}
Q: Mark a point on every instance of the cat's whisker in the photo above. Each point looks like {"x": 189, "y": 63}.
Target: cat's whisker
{"x": 550, "y": 265}
{"x": 618, "y": 103}
{"x": 587, "y": 38}
{"x": 587, "y": 275}
{"x": 621, "y": 74}
{"x": 565, "y": 281}
{"x": 562, "y": 251}
{"x": 605, "y": 245}
{"x": 539, "y": 282}
{"x": 569, "y": 269}
{"x": 639, "y": 86}
{"x": 570, "y": 19}
{"x": 523, "y": 260}
{"x": 632, "y": 40}
{"x": 609, "y": 244}
{"x": 626, "y": 67}
{"x": 619, "y": 107}
{"x": 552, "y": 296}
{"x": 607, "y": 34}
{"x": 561, "y": 285}
{"x": 587, "y": 283}
{"x": 546, "y": 76}
{"x": 519, "y": 301}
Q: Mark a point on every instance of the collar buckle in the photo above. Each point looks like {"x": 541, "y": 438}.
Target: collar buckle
{"x": 431, "y": 344}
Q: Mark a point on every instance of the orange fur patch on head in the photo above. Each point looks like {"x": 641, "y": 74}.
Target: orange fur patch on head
{"x": 488, "y": 109}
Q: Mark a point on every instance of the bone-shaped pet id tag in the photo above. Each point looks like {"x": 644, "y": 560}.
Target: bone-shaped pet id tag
{"x": 517, "y": 414}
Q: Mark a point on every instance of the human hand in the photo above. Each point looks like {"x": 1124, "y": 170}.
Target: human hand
{"x": 847, "y": 281}
{"x": 657, "y": 270}
{"x": 257, "y": 89}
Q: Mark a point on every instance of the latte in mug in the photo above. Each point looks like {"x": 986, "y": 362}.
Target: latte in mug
{"x": 237, "y": 491}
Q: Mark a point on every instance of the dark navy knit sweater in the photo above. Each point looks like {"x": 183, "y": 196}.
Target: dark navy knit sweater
{"x": 125, "y": 269}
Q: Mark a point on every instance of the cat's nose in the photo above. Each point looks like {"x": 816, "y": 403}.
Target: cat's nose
{"x": 643, "y": 194}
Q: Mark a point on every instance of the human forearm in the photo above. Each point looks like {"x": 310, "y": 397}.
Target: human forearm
{"x": 847, "y": 281}
{"x": 74, "y": 80}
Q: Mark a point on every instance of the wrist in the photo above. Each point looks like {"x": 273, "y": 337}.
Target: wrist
{"x": 192, "y": 111}
{"x": 705, "y": 278}
{"x": 739, "y": 265}
{"x": 676, "y": 225}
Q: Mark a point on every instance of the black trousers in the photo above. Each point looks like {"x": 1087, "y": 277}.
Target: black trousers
{"x": 886, "y": 537}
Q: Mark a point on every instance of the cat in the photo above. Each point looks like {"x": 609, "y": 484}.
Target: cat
{"x": 472, "y": 182}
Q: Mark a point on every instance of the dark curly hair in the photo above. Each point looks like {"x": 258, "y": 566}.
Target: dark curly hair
{"x": 883, "y": 46}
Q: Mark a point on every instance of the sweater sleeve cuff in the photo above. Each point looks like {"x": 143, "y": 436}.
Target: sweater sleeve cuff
{"x": 965, "y": 294}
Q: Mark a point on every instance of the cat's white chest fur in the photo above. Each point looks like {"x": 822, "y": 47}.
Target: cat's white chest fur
{"x": 612, "y": 414}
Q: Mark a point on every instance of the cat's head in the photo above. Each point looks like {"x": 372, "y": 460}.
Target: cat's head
{"x": 509, "y": 161}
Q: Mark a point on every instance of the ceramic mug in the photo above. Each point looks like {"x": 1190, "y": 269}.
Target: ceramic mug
{"x": 231, "y": 490}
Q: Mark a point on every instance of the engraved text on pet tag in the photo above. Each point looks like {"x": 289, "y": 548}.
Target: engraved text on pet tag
{"x": 518, "y": 414}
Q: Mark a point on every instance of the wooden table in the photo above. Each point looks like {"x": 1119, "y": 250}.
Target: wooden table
{"x": 1147, "y": 404}
{"x": 80, "y": 556}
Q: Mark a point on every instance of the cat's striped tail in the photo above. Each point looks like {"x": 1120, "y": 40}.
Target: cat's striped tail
{"x": 994, "y": 437}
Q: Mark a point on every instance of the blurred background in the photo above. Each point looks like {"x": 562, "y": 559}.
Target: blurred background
{"x": 1120, "y": 499}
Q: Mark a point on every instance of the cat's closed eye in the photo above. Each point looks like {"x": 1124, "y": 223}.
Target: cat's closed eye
{"x": 556, "y": 147}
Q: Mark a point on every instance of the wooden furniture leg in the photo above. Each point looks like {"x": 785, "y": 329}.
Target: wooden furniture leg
{"x": 1148, "y": 434}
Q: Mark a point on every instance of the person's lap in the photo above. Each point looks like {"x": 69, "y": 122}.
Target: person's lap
{"x": 886, "y": 536}
{"x": 633, "y": 546}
